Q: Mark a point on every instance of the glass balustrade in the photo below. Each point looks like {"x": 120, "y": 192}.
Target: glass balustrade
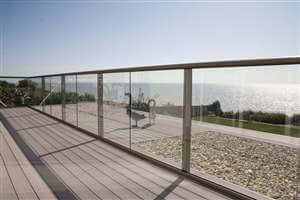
{"x": 87, "y": 102}
{"x": 71, "y": 99}
{"x": 55, "y": 97}
{"x": 245, "y": 121}
{"x": 156, "y": 114}
{"x": 116, "y": 121}
{"x": 246, "y": 127}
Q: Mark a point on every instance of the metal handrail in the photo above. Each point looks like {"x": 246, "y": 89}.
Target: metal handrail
{"x": 15, "y": 77}
{"x": 205, "y": 65}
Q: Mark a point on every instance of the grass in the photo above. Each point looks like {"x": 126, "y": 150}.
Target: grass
{"x": 276, "y": 129}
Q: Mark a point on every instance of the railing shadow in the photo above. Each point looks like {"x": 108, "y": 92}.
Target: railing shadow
{"x": 170, "y": 188}
{"x": 67, "y": 148}
{"x": 24, "y": 115}
{"x": 41, "y": 126}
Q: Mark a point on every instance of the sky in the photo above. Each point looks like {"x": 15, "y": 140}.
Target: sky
{"x": 45, "y": 37}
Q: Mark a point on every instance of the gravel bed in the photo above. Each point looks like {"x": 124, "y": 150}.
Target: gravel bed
{"x": 259, "y": 166}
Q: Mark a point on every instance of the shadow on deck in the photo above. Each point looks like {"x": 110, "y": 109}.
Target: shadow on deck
{"x": 42, "y": 158}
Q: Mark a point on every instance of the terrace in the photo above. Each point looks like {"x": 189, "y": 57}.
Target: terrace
{"x": 126, "y": 134}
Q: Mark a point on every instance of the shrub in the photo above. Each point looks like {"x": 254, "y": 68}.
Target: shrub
{"x": 27, "y": 84}
{"x": 272, "y": 118}
{"x": 139, "y": 105}
{"x": 215, "y": 108}
{"x": 87, "y": 97}
{"x": 265, "y": 117}
{"x": 295, "y": 120}
{"x": 71, "y": 97}
{"x": 5, "y": 84}
{"x": 204, "y": 110}
{"x": 230, "y": 115}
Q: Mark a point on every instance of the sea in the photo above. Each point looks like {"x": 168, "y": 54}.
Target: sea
{"x": 283, "y": 98}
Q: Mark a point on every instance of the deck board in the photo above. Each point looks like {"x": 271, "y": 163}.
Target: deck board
{"x": 26, "y": 182}
{"x": 7, "y": 190}
{"x": 21, "y": 183}
{"x": 70, "y": 132}
{"x": 60, "y": 165}
{"x": 39, "y": 186}
{"x": 60, "y": 138}
{"x": 90, "y": 168}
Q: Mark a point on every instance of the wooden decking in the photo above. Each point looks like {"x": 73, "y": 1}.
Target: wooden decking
{"x": 62, "y": 163}
{"x": 18, "y": 178}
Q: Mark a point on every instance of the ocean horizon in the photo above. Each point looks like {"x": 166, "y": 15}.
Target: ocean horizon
{"x": 283, "y": 98}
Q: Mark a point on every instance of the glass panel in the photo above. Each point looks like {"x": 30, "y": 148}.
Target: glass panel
{"x": 87, "y": 104}
{"x": 115, "y": 102}
{"x": 35, "y": 92}
{"x": 157, "y": 110}
{"x": 246, "y": 127}
{"x": 71, "y": 99}
{"x": 46, "y": 99}
{"x": 55, "y": 97}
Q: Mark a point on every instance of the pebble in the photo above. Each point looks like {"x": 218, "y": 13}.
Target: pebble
{"x": 266, "y": 168}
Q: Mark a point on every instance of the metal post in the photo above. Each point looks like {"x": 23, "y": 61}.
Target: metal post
{"x": 100, "y": 104}
{"x": 50, "y": 102}
{"x": 130, "y": 96}
{"x": 187, "y": 117}
{"x": 76, "y": 99}
{"x": 63, "y": 97}
{"x": 43, "y": 92}
{"x": 27, "y": 93}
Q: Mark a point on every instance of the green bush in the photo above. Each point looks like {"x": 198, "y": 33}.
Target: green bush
{"x": 245, "y": 115}
{"x": 205, "y": 110}
{"x": 36, "y": 96}
{"x": 87, "y": 97}
{"x": 5, "y": 84}
{"x": 272, "y": 118}
{"x": 27, "y": 84}
{"x": 215, "y": 108}
{"x": 10, "y": 94}
{"x": 71, "y": 97}
{"x": 139, "y": 105}
{"x": 295, "y": 120}
{"x": 265, "y": 117}
{"x": 55, "y": 98}
{"x": 229, "y": 115}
